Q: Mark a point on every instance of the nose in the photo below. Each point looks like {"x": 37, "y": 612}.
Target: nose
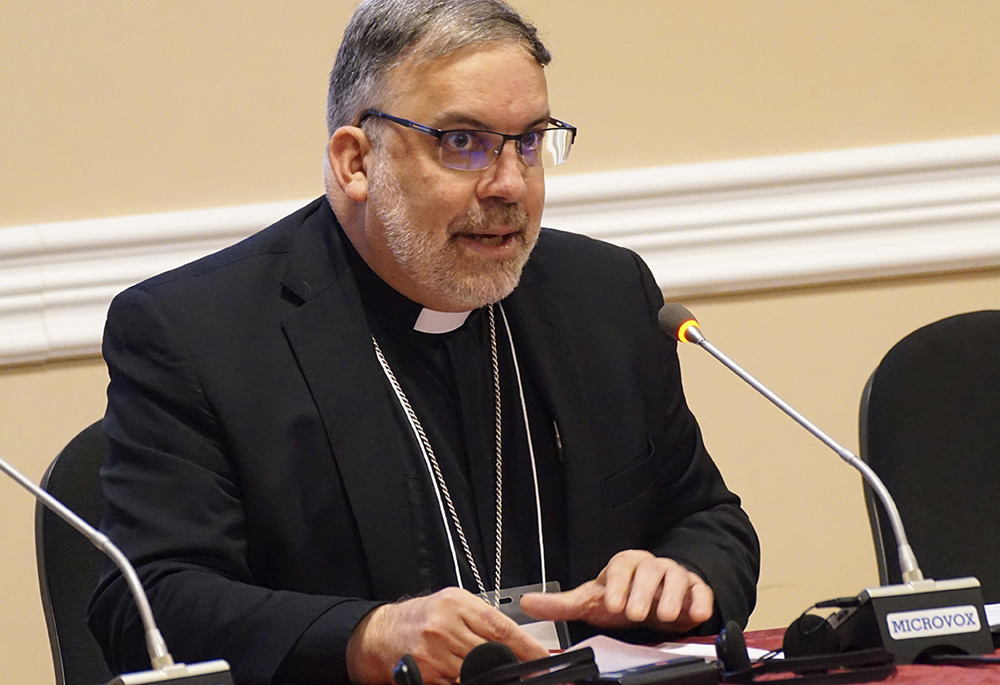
{"x": 505, "y": 178}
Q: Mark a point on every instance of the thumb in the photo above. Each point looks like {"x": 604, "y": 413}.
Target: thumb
{"x": 555, "y": 606}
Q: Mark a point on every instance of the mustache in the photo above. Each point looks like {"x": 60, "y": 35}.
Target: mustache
{"x": 483, "y": 216}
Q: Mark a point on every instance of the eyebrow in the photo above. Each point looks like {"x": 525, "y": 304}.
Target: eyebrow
{"x": 453, "y": 120}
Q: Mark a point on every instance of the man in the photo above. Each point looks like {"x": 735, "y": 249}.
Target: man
{"x": 328, "y": 437}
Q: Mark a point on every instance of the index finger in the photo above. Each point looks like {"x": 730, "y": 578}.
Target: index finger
{"x": 492, "y": 625}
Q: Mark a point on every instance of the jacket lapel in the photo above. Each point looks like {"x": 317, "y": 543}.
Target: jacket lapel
{"x": 544, "y": 339}
{"x": 329, "y": 336}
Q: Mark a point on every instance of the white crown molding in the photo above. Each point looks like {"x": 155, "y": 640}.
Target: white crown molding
{"x": 807, "y": 219}
{"x": 57, "y": 279}
{"x": 714, "y": 227}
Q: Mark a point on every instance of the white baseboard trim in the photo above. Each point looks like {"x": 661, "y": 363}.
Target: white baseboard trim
{"x": 715, "y": 227}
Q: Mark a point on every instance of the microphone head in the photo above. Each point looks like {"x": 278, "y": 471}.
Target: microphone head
{"x": 484, "y": 658}
{"x": 676, "y": 320}
{"x": 406, "y": 672}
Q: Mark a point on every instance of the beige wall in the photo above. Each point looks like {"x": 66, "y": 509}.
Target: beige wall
{"x": 41, "y": 408}
{"x": 116, "y": 107}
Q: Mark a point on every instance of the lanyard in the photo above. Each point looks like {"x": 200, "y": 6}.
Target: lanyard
{"x": 441, "y": 491}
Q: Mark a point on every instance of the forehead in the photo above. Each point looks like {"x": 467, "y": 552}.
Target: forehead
{"x": 496, "y": 85}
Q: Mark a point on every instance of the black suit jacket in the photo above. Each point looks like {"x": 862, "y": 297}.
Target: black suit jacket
{"x": 255, "y": 478}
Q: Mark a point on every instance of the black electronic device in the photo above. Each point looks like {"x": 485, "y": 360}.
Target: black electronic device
{"x": 569, "y": 667}
{"x": 915, "y": 620}
{"x": 678, "y": 671}
{"x": 858, "y": 666}
{"x": 493, "y": 663}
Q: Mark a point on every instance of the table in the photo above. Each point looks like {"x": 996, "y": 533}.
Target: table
{"x": 909, "y": 673}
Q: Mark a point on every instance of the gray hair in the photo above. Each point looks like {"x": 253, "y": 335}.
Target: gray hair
{"x": 382, "y": 33}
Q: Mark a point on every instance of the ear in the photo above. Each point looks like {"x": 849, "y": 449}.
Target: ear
{"x": 347, "y": 151}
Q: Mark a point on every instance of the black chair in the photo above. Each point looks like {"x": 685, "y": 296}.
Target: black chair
{"x": 68, "y": 565}
{"x": 930, "y": 428}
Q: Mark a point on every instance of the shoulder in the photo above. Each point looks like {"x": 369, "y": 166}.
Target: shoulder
{"x": 240, "y": 287}
{"x": 571, "y": 263}
{"x": 554, "y": 244}
{"x": 257, "y": 254}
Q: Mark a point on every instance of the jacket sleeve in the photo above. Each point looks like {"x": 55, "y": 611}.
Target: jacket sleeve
{"x": 174, "y": 507}
{"x": 703, "y": 525}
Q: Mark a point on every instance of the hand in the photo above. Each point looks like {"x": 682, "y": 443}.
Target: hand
{"x": 634, "y": 588}
{"x": 438, "y": 630}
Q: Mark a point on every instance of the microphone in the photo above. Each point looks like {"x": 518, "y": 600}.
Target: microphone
{"x": 163, "y": 667}
{"x": 481, "y": 660}
{"x": 484, "y": 658}
{"x": 493, "y": 663}
{"x": 909, "y": 619}
{"x": 676, "y": 320}
{"x": 406, "y": 671}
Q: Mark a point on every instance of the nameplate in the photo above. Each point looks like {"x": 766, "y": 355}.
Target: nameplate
{"x": 909, "y": 625}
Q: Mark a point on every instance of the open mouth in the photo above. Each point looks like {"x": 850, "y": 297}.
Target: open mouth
{"x": 490, "y": 240}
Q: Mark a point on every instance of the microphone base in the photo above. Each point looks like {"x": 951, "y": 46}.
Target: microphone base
{"x": 917, "y": 619}
{"x": 206, "y": 673}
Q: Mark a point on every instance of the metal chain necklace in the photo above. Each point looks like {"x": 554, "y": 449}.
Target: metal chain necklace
{"x": 428, "y": 451}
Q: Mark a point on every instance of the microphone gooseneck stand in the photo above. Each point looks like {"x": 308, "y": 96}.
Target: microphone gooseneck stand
{"x": 163, "y": 667}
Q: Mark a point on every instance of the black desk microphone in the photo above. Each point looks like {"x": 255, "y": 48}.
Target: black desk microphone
{"x": 493, "y": 663}
{"x": 911, "y": 620}
{"x": 484, "y": 658}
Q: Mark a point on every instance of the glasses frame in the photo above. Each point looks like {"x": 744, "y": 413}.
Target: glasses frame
{"x": 441, "y": 133}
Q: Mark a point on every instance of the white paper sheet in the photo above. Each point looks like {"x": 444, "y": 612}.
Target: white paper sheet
{"x": 615, "y": 655}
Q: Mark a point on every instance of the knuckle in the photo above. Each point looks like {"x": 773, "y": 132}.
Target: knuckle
{"x": 630, "y": 555}
{"x": 422, "y": 654}
{"x": 448, "y": 599}
{"x": 448, "y": 594}
{"x": 499, "y": 626}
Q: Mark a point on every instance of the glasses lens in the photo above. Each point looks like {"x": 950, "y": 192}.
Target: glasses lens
{"x": 530, "y": 145}
{"x": 468, "y": 149}
{"x": 553, "y": 148}
{"x": 474, "y": 150}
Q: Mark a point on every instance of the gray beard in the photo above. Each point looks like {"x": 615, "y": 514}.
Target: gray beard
{"x": 442, "y": 267}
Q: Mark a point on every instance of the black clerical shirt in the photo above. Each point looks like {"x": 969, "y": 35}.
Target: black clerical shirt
{"x": 448, "y": 379}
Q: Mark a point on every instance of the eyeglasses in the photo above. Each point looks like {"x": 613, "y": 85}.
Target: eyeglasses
{"x": 472, "y": 150}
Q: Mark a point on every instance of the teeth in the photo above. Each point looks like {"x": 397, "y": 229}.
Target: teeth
{"x": 490, "y": 240}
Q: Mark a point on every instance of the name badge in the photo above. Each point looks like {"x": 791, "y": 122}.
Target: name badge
{"x": 553, "y": 635}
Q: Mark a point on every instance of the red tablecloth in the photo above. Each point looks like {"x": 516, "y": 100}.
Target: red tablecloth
{"x": 910, "y": 673}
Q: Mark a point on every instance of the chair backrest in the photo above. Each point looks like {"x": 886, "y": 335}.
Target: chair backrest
{"x": 930, "y": 428}
{"x": 68, "y": 565}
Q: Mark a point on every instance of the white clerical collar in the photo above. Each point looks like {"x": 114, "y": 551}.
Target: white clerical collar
{"x": 431, "y": 321}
